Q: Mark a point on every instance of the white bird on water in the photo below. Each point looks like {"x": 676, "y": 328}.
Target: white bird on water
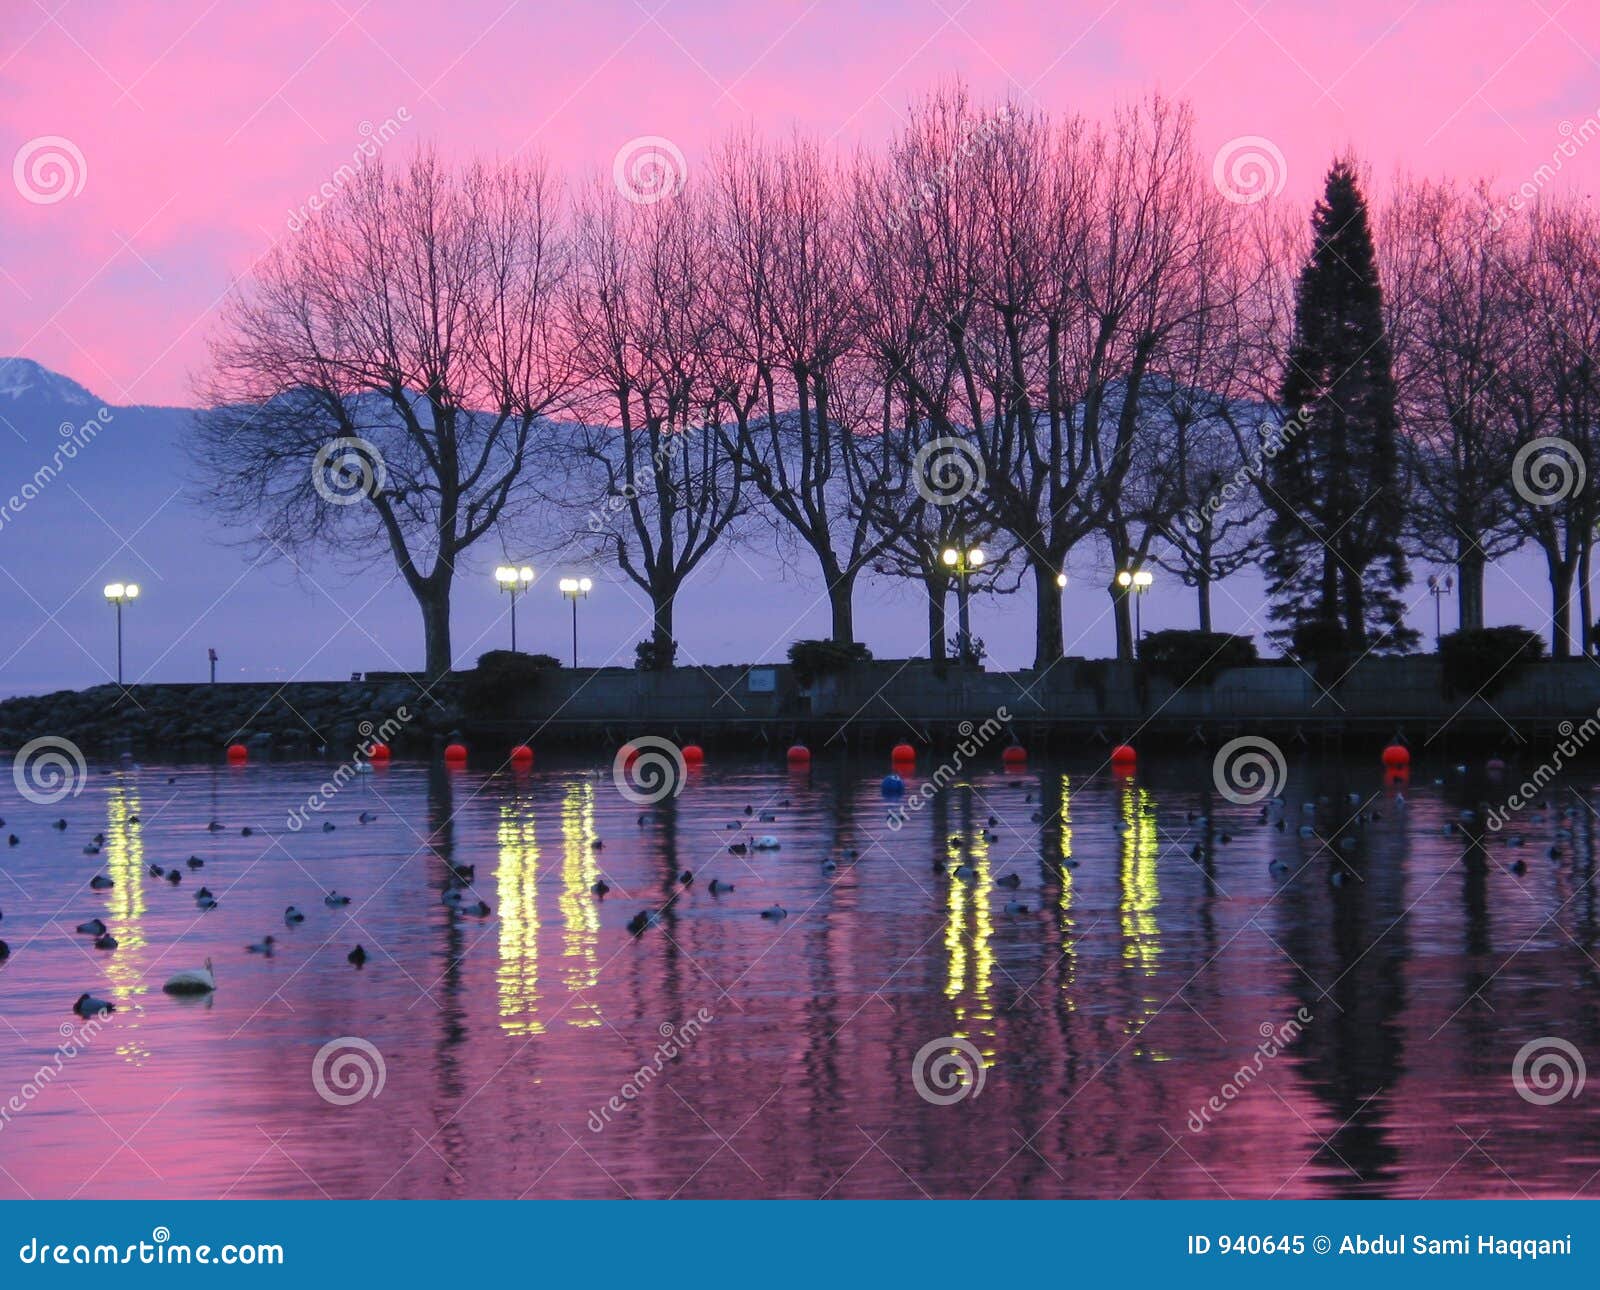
{"x": 192, "y": 981}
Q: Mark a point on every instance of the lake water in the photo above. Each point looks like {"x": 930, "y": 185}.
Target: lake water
{"x": 1160, "y": 1021}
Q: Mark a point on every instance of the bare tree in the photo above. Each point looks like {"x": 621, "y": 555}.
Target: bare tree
{"x": 653, "y": 477}
{"x": 1453, "y": 313}
{"x": 382, "y": 379}
{"x": 1552, "y": 393}
{"x": 814, "y": 443}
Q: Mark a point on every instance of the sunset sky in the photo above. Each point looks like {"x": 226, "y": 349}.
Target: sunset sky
{"x": 203, "y": 126}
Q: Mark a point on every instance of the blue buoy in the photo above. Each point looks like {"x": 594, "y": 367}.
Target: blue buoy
{"x": 893, "y": 785}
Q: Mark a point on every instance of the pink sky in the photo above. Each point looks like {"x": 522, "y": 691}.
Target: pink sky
{"x": 201, "y": 125}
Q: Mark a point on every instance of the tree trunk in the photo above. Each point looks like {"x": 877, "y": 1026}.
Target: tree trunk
{"x": 434, "y": 601}
{"x": 1355, "y": 612}
{"x": 1202, "y": 592}
{"x": 937, "y": 589}
{"x": 661, "y": 597}
{"x": 1469, "y": 580}
{"x": 1560, "y": 609}
{"x": 1585, "y": 603}
{"x": 1047, "y": 618}
{"x": 841, "y": 597}
{"x": 1119, "y": 614}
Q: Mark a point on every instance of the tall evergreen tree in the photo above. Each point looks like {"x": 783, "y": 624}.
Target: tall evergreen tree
{"x": 1334, "y": 565}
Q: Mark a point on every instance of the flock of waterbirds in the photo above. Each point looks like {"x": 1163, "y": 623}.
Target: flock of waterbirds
{"x": 459, "y": 895}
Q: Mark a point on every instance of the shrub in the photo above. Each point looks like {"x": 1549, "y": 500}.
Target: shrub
{"x": 484, "y": 689}
{"x": 1483, "y": 660}
{"x": 648, "y": 656}
{"x": 1184, "y": 657}
{"x": 1317, "y": 640}
{"x": 811, "y": 659}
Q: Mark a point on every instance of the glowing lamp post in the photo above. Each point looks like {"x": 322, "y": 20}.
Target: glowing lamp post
{"x": 1138, "y": 582}
{"x": 575, "y": 589}
{"x": 119, "y": 593}
{"x": 963, "y": 562}
{"x": 513, "y": 580}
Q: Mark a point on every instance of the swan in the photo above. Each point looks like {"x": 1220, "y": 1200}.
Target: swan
{"x": 195, "y": 862}
{"x": 685, "y": 878}
{"x": 830, "y": 866}
{"x": 105, "y": 942}
{"x": 775, "y": 911}
{"x": 358, "y": 956}
{"x": 59, "y": 824}
{"x": 246, "y": 832}
{"x": 767, "y": 817}
{"x": 333, "y": 900}
{"x": 94, "y": 927}
{"x": 966, "y": 871}
{"x": 600, "y": 888}
{"x": 718, "y": 886}
{"x": 91, "y": 850}
{"x": 1519, "y": 867}
{"x": 100, "y": 882}
{"x": 738, "y": 849}
{"x": 366, "y": 817}
{"x": 465, "y": 872}
{"x": 156, "y": 871}
{"x": 327, "y": 826}
{"x": 174, "y": 877}
{"x": 214, "y": 827}
{"x": 192, "y": 981}
{"x": 263, "y": 946}
{"x": 206, "y": 901}
{"x": 291, "y": 916}
{"x": 766, "y": 842}
{"x": 88, "y": 1006}
{"x": 1011, "y": 880}
{"x": 643, "y": 919}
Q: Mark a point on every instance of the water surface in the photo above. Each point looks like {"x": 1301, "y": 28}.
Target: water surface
{"x": 1155, "y": 962}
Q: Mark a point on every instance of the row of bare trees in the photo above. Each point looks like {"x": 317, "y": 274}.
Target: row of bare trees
{"x": 1040, "y": 333}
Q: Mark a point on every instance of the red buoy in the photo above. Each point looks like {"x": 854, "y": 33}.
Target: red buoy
{"x": 903, "y": 753}
{"x": 1396, "y": 756}
{"x": 455, "y": 752}
{"x": 522, "y": 755}
{"x": 238, "y": 753}
{"x": 1014, "y": 755}
{"x": 693, "y": 755}
{"x": 379, "y": 752}
{"x": 1124, "y": 755}
{"x": 799, "y": 755}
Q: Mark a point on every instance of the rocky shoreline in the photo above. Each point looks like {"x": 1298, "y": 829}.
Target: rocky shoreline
{"x": 298, "y": 716}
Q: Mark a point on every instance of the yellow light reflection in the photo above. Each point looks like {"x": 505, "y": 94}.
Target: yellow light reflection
{"x": 124, "y": 860}
{"x": 1141, "y": 895}
{"x": 1069, "y": 925}
{"x": 517, "y": 887}
{"x": 578, "y": 911}
{"x": 969, "y": 929}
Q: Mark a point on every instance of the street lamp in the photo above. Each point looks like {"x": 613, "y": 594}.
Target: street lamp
{"x": 513, "y": 580}
{"x": 119, "y": 593}
{"x": 575, "y": 589}
{"x": 1061, "y": 581}
{"x": 1138, "y": 581}
{"x": 962, "y": 562}
{"x": 1439, "y": 587}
